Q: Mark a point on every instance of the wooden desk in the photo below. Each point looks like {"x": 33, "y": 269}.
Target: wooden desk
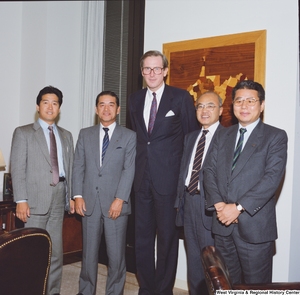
{"x": 7, "y": 216}
{"x": 72, "y": 234}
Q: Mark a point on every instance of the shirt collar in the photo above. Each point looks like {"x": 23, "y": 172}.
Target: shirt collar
{"x": 45, "y": 125}
{"x": 250, "y": 127}
{"x": 212, "y": 128}
{"x": 158, "y": 92}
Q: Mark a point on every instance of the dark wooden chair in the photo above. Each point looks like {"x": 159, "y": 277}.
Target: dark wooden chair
{"x": 217, "y": 275}
{"x": 24, "y": 261}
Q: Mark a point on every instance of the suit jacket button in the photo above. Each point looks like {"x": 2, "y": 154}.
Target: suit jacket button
{"x": 148, "y": 142}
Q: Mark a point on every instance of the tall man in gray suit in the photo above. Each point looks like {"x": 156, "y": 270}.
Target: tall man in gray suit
{"x": 103, "y": 173}
{"x": 197, "y": 221}
{"x": 40, "y": 199}
{"x": 244, "y": 170}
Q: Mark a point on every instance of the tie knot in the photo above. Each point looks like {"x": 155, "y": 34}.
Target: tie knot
{"x": 154, "y": 94}
{"x": 106, "y": 130}
{"x": 205, "y": 131}
{"x": 243, "y": 130}
{"x": 50, "y": 128}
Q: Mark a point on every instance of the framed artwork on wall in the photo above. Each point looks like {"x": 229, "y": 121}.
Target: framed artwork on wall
{"x": 217, "y": 64}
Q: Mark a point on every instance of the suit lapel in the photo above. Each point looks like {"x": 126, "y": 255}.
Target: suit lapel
{"x": 40, "y": 138}
{"x": 94, "y": 139}
{"x": 140, "y": 103}
{"x": 190, "y": 146}
{"x": 250, "y": 147}
{"x": 229, "y": 149}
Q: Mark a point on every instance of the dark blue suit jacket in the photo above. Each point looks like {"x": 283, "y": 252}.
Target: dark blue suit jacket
{"x": 163, "y": 148}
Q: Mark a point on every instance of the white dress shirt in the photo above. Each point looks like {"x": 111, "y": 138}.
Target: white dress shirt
{"x": 208, "y": 137}
{"x": 148, "y": 102}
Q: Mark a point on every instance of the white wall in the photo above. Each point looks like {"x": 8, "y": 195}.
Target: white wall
{"x": 174, "y": 20}
{"x": 40, "y": 46}
{"x": 10, "y": 58}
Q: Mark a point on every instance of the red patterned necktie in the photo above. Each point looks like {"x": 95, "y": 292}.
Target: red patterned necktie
{"x": 153, "y": 111}
{"x": 193, "y": 185}
{"x": 53, "y": 157}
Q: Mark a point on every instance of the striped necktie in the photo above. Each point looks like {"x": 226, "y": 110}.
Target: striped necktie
{"x": 193, "y": 185}
{"x": 238, "y": 148}
{"x": 105, "y": 142}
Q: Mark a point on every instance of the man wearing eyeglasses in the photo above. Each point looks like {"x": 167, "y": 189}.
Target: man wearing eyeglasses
{"x": 245, "y": 168}
{"x": 190, "y": 193}
{"x": 161, "y": 115}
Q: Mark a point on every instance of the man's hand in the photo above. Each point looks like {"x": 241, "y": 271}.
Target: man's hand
{"x": 228, "y": 214}
{"x": 115, "y": 208}
{"x": 72, "y": 207}
{"x": 219, "y": 206}
{"x": 22, "y": 211}
{"x": 80, "y": 206}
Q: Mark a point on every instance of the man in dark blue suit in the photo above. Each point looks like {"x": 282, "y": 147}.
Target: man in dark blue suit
{"x": 245, "y": 168}
{"x": 161, "y": 116}
{"x": 197, "y": 221}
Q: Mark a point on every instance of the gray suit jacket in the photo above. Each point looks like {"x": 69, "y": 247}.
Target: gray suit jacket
{"x": 114, "y": 178}
{"x": 31, "y": 166}
{"x": 252, "y": 183}
{"x": 189, "y": 142}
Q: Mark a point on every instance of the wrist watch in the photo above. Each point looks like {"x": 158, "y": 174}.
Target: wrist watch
{"x": 239, "y": 207}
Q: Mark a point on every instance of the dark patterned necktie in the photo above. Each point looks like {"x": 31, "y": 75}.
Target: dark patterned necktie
{"x": 193, "y": 185}
{"x": 53, "y": 157}
{"x": 105, "y": 142}
{"x": 238, "y": 148}
{"x": 153, "y": 111}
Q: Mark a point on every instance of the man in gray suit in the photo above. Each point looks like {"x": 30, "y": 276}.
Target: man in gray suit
{"x": 197, "y": 221}
{"x": 244, "y": 170}
{"x": 41, "y": 201}
{"x": 103, "y": 173}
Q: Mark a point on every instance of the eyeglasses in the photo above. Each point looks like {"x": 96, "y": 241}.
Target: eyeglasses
{"x": 249, "y": 101}
{"x": 156, "y": 70}
{"x": 208, "y": 107}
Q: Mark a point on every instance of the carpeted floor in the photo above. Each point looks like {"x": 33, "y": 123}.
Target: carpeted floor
{"x": 71, "y": 275}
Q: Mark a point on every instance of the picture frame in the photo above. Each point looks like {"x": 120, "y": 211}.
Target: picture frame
{"x": 217, "y": 64}
{"x": 7, "y": 187}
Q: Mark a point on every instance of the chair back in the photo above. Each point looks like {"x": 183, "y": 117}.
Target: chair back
{"x": 25, "y": 260}
{"x": 215, "y": 270}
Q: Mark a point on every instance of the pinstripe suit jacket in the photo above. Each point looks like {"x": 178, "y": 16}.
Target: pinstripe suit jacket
{"x": 31, "y": 166}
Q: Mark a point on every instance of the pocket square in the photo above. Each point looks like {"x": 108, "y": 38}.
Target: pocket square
{"x": 170, "y": 113}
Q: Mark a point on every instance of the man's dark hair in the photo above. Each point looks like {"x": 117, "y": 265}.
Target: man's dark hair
{"x": 249, "y": 84}
{"x": 111, "y": 93}
{"x": 47, "y": 90}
